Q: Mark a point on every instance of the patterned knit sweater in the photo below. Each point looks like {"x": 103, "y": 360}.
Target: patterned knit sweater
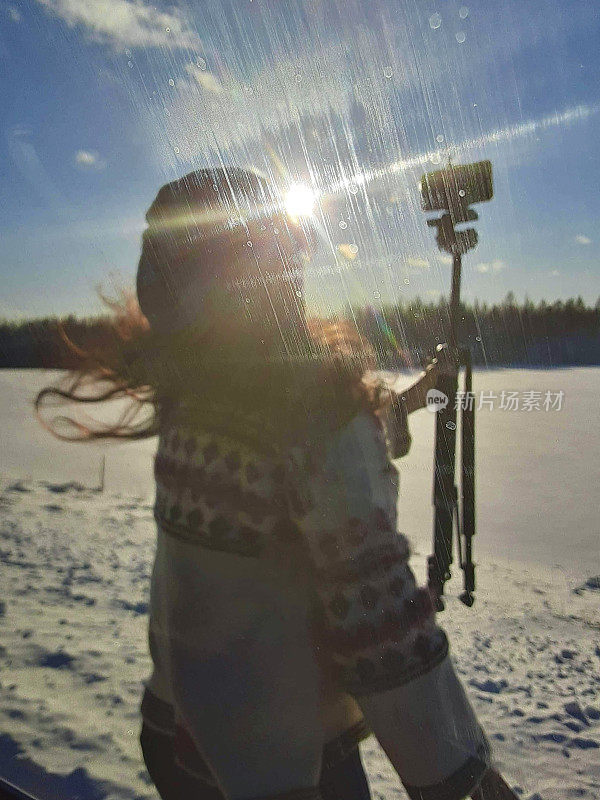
{"x": 324, "y": 521}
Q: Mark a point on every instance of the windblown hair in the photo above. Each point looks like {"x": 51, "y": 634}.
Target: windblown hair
{"x": 208, "y": 339}
{"x": 154, "y": 378}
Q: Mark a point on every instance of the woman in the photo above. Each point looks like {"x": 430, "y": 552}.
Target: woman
{"x": 283, "y": 610}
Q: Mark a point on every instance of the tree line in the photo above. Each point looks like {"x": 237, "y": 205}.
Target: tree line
{"x": 507, "y": 333}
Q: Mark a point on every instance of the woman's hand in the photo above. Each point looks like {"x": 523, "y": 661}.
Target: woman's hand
{"x": 493, "y": 787}
{"x": 429, "y": 377}
{"x": 415, "y": 396}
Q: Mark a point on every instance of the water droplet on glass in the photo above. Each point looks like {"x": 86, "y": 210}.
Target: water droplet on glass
{"x": 387, "y": 73}
{"x": 130, "y": 64}
{"x": 435, "y": 158}
{"x": 439, "y": 138}
{"x": 461, "y": 193}
{"x": 215, "y": 187}
{"x": 168, "y": 30}
{"x": 275, "y": 231}
{"x": 377, "y": 295}
{"x": 451, "y": 426}
{"x": 249, "y": 243}
{"x": 298, "y": 293}
{"x": 127, "y": 53}
{"x": 353, "y": 248}
{"x": 435, "y": 21}
{"x": 343, "y": 225}
{"x": 263, "y": 227}
{"x": 353, "y": 188}
{"x": 478, "y": 338}
{"x": 175, "y": 149}
{"x": 406, "y": 280}
{"x": 461, "y": 37}
{"x": 247, "y": 299}
{"x": 201, "y": 63}
{"x": 463, "y": 12}
{"x": 171, "y": 82}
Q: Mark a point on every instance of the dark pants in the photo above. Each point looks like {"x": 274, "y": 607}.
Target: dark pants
{"x": 344, "y": 780}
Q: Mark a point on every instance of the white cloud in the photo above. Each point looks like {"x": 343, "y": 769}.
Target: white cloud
{"x": 89, "y": 158}
{"x": 581, "y": 239}
{"x": 205, "y": 79}
{"x": 124, "y": 23}
{"x": 490, "y": 266}
{"x": 445, "y": 258}
{"x": 419, "y": 263}
{"x": 14, "y": 14}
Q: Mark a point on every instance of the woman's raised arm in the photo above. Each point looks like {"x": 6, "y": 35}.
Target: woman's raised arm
{"x": 381, "y": 632}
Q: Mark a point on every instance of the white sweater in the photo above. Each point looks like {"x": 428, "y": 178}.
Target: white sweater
{"x": 283, "y": 610}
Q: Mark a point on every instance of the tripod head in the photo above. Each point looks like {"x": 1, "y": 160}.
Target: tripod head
{"x": 452, "y": 190}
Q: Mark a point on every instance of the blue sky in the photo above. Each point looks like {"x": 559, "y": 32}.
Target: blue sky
{"x": 104, "y": 100}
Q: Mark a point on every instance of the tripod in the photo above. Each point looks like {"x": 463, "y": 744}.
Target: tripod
{"x": 452, "y": 190}
{"x": 448, "y": 511}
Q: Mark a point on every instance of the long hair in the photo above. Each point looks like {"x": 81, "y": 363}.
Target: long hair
{"x": 207, "y": 340}
{"x": 151, "y": 379}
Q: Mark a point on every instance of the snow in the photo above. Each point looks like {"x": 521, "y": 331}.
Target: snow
{"x": 75, "y": 567}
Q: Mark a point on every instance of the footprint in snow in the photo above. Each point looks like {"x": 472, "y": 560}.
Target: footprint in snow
{"x": 57, "y": 660}
{"x": 494, "y": 687}
{"x": 575, "y": 710}
{"x": 591, "y": 584}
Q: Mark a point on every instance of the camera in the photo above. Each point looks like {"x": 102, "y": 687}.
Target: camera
{"x": 455, "y": 188}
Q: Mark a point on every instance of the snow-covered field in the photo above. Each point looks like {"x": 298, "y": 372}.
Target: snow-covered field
{"x": 75, "y": 567}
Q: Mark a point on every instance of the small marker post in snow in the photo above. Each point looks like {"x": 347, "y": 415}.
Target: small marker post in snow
{"x": 102, "y": 473}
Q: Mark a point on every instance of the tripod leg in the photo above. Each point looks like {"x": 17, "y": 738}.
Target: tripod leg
{"x": 468, "y": 482}
{"x": 444, "y": 490}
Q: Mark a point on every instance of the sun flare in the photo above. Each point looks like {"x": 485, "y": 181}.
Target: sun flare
{"x": 300, "y": 200}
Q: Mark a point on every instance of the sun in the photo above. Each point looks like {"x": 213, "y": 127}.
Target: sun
{"x": 300, "y": 201}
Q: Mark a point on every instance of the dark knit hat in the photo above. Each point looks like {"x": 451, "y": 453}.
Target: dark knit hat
{"x": 194, "y": 222}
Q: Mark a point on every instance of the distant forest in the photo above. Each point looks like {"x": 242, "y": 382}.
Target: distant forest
{"x": 508, "y": 333}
